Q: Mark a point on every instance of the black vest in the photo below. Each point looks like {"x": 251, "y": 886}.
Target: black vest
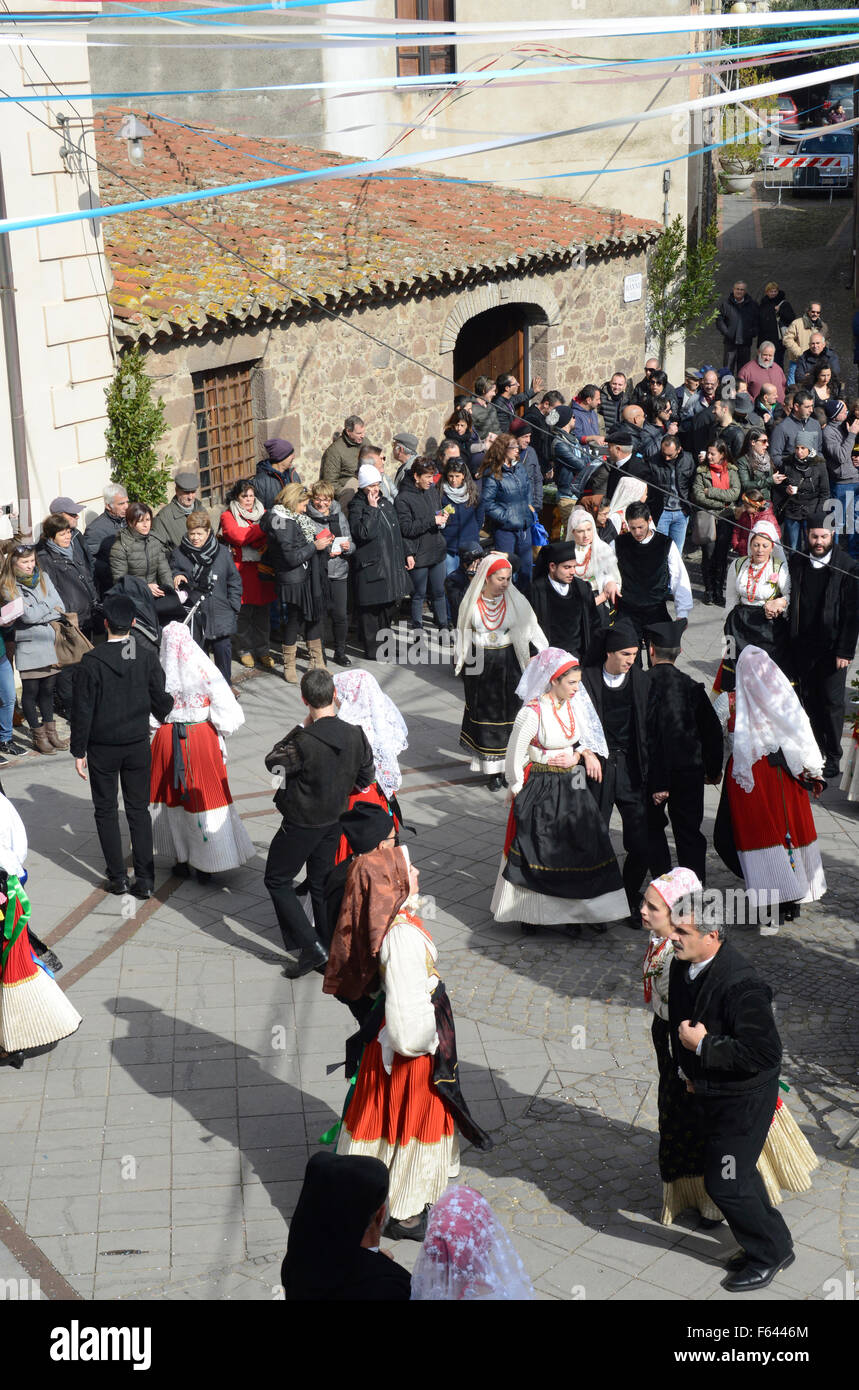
{"x": 617, "y": 715}
{"x": 643, "y": 565}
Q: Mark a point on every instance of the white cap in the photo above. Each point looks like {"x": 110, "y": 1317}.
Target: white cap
{"x": 368, "y": 474}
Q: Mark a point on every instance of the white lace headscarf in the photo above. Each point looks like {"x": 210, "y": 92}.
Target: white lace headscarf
{"x": 628, "y": 490}
{"x": 525, "y": 631}
{"x": 13, "y": 839}
{"x": 603, "y": 562}
{"x": 467, "y": 1255}
{"x": 769, "y": 717}
{"x": 363, "y": 703}
{"x": 196, "y": 683}
{"x": 536, "y": 679}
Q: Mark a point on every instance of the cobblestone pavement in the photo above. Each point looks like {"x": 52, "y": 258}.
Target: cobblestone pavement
{"x": 159, "y": 1152}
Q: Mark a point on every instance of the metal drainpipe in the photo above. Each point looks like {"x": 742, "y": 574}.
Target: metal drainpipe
{"x": 13, "y": 365}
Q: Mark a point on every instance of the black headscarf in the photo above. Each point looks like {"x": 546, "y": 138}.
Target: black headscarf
{"x": 324, "y": 1257}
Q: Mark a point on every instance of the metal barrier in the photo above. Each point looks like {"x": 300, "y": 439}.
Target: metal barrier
{"x": 835, "y": 171}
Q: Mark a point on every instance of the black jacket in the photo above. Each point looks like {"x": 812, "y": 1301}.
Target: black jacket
{"x": 660, "y": 484}
{"x": 72, "y": 580}
{"x": 219, "y": 588}
{"x": 773, "y": 314}
{"x": 98, "y": 538}
{"x": 542, "y": 436}
{"x": 269, "y": 481}
{"x": 684, "y": 735}
{"x": 299, "y": 567}
{"x": 380, "y": 557}
{"x": 738, "y": 323}
{"x": 742, "y": 1049}
{"x": 570, "y": 622}
{"x": 839, "y": 625}
{"x": 321, "y": 766}
{"x": 595, "y": 686}
{"x": 118, "y": 685}
{"x": 416, "y": 512}
{"x": 812, "y": 483}
{"x": 610, "y": 406}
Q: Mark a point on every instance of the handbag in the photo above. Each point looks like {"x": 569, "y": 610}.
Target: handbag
{"x": 69, "y": 642}
{"x": 704, "y": 529}
{"x": 539, "y": 534}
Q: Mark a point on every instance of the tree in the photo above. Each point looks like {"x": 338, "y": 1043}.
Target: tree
{"x": 135, "y": 425}
{"x": 681, "y": 282}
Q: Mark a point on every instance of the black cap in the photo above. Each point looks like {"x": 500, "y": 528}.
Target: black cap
{"x": 666, "y": 634}
{"x": 560, "y": 551}
{"x": 622, "y": 437}
{"x": 119, "y": 612}
{"x": 366, "y": 825}
{"x": 820, "y": 521}
{"x": 621, "y": 636}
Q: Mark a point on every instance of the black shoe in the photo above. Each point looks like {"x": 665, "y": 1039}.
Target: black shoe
{"x": 527, "y": 929}
{"x": 395, "y": 1230}
{"x": 573, "y": 930}
{"x": 706, "y": 598}
{"x": 309, "y": 958}
{"x": 118, "y": 886}
{"x": 633, "y": 921}
{"x": 599, "y": 927}
{"x": 340, "y": 659}
{"x": 830, "y": 770}
{"x": 9, "y": 750}
{"x": 495, "y": 783}
{"x": 180, "y": 871}
{"x": 141, "y": 890}
{"x": 719, "y": 598}
{"x": 202, "y": 876}
{"x": 708, "y": 1223}
{"x": 738, "y": 1260}
{"x": 53, "y": 962}
{"x": 752, "y": 1277}
{"x": 12, "y": 1059}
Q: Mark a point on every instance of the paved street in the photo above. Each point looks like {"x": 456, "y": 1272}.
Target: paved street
{"x": 159, "y": 1152}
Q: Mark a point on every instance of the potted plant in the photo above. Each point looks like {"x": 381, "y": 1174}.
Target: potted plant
{"x": 740, "y": 163}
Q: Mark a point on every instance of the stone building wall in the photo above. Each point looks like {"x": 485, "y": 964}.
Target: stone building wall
{"x": 311, "y": 374}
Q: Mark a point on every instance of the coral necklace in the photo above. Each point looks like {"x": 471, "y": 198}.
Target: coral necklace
{"x": 568, "y": 732}
{"x": 492, "y": 611}
{"x": 583, "y": 567}
{"x": 752, "y": 588}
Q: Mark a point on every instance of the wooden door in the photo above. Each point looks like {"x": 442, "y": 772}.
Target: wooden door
{"x": 489, "y": 344}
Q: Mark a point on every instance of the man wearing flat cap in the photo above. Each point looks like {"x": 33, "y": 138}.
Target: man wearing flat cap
{"x": 684, "y": 749}
{"x": 564, "y": 604}
{"x": 618, "y": 691}
{"x": 118, "y": 686}
{"x": 169, "y": 525}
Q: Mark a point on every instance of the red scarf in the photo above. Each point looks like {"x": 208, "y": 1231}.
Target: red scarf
{"x": 719, "y": 476}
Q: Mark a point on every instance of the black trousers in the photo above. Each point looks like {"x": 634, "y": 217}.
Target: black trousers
{"x": 129, "y": 766}
{"x": 292, "y": 847}
{"x": 821, "y": 690}
{"x": 685, "y": 809}
{"x": 736, "y": 355}
{"x": 736, "y": 1128}
{"x": 373, "y": 619}
{"x": 337, "y": 611}
{"x": 621, "y": 786}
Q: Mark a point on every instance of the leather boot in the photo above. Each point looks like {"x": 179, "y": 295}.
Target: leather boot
{"x": 41, "y": 742}
{"x": 289, "y": 672}
{"x": 53, "y": 737}
{"x": 706, "y": 579}
{"x": 317, "y": 655}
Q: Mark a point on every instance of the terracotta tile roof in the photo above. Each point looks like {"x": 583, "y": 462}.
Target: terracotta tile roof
{"x": 332, "y": 243}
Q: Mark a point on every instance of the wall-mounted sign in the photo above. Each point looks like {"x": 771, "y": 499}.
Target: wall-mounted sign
{"x": 631, "y": 288}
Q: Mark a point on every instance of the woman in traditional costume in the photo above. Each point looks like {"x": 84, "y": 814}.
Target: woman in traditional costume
{"x": 406, "y": 1105}
{"x": 595, "y": 563}
{"x": 467, "y": 1255}
{"x": 558, "y": 868}
{"x": 495, "y": 632}
{"x": 787, "y": 1159}
{"x": 34, "y": 1011}
{"x": 361, "y": 701}
{"x": 194, "y": 820}
{"x": 759, "y": 588}
{"x": 764, "y": 828}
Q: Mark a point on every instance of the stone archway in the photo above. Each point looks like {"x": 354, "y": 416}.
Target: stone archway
{"x": 534, "y": 297}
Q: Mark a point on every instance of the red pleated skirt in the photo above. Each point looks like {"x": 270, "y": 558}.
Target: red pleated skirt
{"x": 20, "y": 964}
{"x": 205, "y": 773}
{"x": 778, "y": 804}
{"x": 399, "y": 1107}
{"x": 375, "y": 797}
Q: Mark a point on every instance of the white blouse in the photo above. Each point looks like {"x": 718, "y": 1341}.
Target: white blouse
{"x": 537, "y": 736}
{"x": 753, "y": 590}
{"x": 491, "y": 636}
{"x": 407, "y": 966}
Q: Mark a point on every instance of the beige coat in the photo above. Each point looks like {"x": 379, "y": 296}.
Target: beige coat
{"x": 797, "y": 338}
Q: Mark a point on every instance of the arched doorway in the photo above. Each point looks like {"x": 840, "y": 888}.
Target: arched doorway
{"x": 493, "y": 342}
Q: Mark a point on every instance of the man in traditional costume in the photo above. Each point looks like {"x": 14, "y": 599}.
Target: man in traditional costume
{"x": 651, "y": 571}
{"x": 823, "y": 625}
{"x": 618, "y": 690}
{"x": 684, "y": 751}
{"x": 563, "y": 603}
